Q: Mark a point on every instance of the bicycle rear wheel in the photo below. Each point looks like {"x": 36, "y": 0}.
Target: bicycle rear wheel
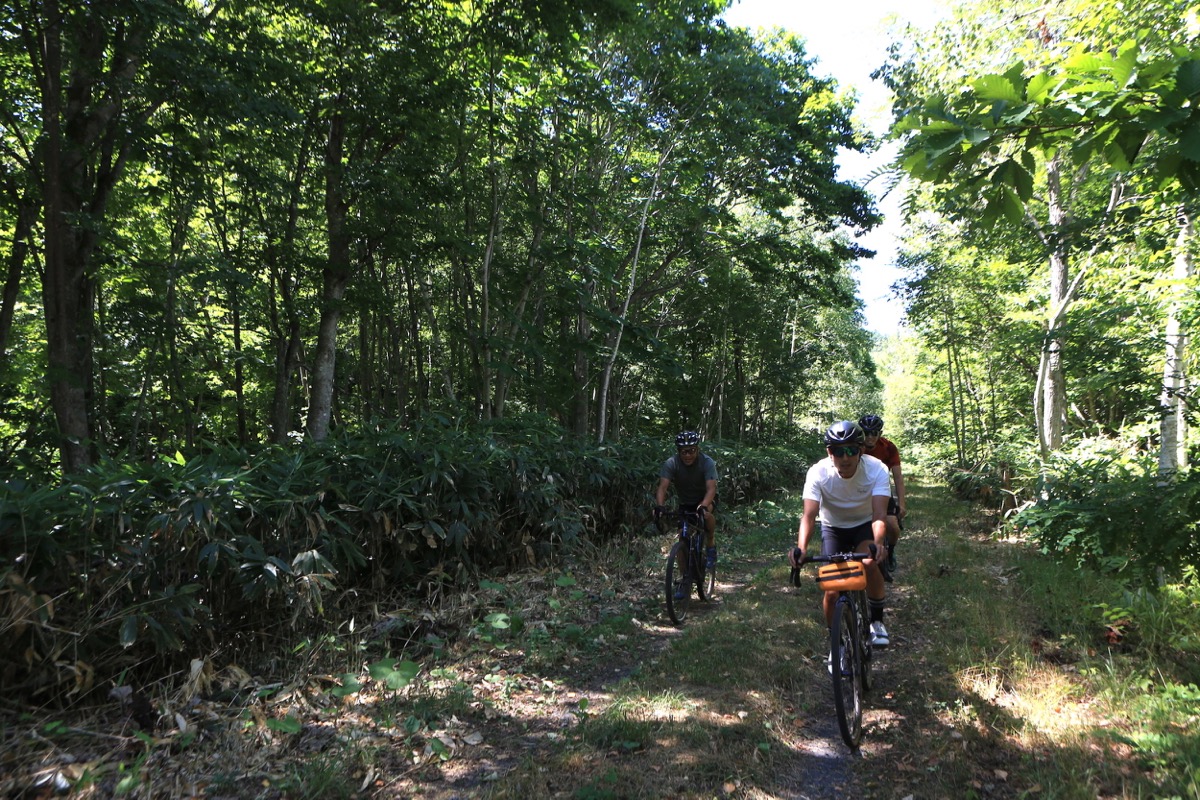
{"x": 846, "y": 657}
{"x": 678, "y": 580}
{"x": 864, "y": 638}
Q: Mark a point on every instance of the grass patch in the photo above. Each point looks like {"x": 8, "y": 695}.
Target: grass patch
{"x": 1002, "y": 682}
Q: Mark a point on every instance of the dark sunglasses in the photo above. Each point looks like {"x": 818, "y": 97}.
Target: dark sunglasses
{"x": 688, "y": 451}
{"x": 843, "y": 451}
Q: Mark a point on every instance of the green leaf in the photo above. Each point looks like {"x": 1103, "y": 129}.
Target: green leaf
{"x": 1115, "y": 157}
{"x": 996, "y": 87}
{"x": 1013, "y": 175}
{"x": 1004, "y": 202}
{"x": 392, "y": 674}
{"x": 288, "y": 724}
{"x": 129, "y": 631}
{"x": 1187, "y": 78}
{"x": 1189, "y": 140}
{"x": 1086, "y": 62}
{"x": 1039, "y": 86}
{"x": 565, "y": 580}
{"x": 498, "y": 620}
{"x": 350, "y": 685}
{"x": 439, "y": 748}
{"x": 1125, "y": 64}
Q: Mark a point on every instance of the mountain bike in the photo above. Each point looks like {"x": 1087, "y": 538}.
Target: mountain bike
{"x": 685, "y": 564}
{"x": 849, "y": 635}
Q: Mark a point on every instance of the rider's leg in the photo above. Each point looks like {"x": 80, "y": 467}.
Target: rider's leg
{"x": 876, "y": 594}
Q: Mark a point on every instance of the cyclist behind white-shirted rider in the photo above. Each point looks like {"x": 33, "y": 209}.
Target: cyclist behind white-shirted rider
{"x": 848, "y": 493}
{"x": 695, "y": 477}
{"x": 886, "y": 451}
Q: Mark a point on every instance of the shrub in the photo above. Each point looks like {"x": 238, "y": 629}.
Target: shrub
{"x": 133, "y": 566}
{"x": 1116, "y": 515}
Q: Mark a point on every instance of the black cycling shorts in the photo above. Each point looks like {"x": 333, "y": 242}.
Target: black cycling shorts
{"x": 844, "y": 540}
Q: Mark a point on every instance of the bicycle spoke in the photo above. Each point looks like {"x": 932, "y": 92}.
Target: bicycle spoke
{"x": 847, "y": 671}
{"x": 864, "y": 638}
{"x": 678, "y": 582}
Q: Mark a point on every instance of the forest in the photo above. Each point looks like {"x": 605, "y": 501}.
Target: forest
{"x": 312, "y": 302}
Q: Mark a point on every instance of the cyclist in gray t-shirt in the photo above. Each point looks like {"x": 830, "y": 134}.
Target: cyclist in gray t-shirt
{"x": 695, "y": 478}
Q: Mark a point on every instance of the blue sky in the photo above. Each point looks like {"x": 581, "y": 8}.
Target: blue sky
{"x": 849, "y": 41}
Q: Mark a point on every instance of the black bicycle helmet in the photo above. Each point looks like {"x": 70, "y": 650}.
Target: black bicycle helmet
{"x": 844, "y": 432}
{"x": 687, "y": 439}
{"x": 872, "y": 424}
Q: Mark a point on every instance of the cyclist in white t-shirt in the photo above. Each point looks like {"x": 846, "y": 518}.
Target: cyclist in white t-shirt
{"x": 848, "y": 493}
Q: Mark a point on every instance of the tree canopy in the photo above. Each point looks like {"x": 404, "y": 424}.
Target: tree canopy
{"x": 244, "y": 222}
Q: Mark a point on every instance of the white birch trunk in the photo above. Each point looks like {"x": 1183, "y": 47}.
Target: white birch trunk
{"x": 1172, "y": 454}
{"x": 1054, "y": 399}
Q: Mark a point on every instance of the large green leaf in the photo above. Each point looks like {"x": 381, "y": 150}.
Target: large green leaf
{"x": 393, "y": 673}
{"x": 1187, "y": 78}
{"x": 1124, "y": 65}
{"x": 1039, "y": 88}
{"x": 996, "y": 87}
{"x": 1189, "y": 139}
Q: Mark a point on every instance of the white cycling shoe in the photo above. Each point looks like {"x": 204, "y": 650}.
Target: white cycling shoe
{"x": 879, "y": 635}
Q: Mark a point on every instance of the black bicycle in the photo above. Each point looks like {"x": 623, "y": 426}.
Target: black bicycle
{"x": 685, "y": 564}
{"x": 849, "y": 635}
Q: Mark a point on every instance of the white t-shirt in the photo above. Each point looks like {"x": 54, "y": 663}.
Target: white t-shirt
{"x": 846, "y": 502}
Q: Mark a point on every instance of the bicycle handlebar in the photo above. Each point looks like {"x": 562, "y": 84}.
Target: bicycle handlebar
{"x": 833, "y": 558}
{"x": 693, "y": 516}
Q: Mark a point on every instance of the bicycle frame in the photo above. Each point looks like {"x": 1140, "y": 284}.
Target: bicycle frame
{"x": 685, "y": 565}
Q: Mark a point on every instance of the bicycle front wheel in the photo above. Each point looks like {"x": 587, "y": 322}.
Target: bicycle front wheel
{"x": 864, "y": 638}
{"x": 678, "y": 585}
{"x": 697, "y": 564}
{"x": 709, "y": 580}
{"x": 846, "y": 666}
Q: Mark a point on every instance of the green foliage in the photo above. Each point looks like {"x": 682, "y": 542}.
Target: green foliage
{"x": 432, "y": 207}
{"x": 1160, "y": 623}
{"x": 1116, "y": 516}
{"x": 133, "y": 563}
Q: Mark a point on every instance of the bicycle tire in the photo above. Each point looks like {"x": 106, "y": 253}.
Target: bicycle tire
{"x": 846, "y": 662}
{"x": 677, "y": 609}
{"x": 696, "y": 561}
{"x": 864, "y": 637}
{"x": 709, "y": 581}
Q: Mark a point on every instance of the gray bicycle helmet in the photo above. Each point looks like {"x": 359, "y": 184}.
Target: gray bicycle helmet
{"x": 844, "y": 432}
{"x": 687, "y": 439}
{"x": 872, "y": 424}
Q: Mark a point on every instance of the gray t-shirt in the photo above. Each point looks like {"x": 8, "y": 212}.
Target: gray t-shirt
{"x": 690, "y": 482}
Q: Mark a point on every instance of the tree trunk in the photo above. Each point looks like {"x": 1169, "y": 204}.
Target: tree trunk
{"x": 615, "y": 349}
{"x": 87, "y": 129}
{"x": 26, "y": 214}
{"x": 335, "y": 276}
{"x": 1172, "y": 454}
{"x": 285, "y": 326}
{"x": 1054, "y": 401}
{"x": 581, "y": 406}
{"x": 66, "y": 288}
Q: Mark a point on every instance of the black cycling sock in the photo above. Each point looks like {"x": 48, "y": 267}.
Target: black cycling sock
{"x": 876, "y": 609}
